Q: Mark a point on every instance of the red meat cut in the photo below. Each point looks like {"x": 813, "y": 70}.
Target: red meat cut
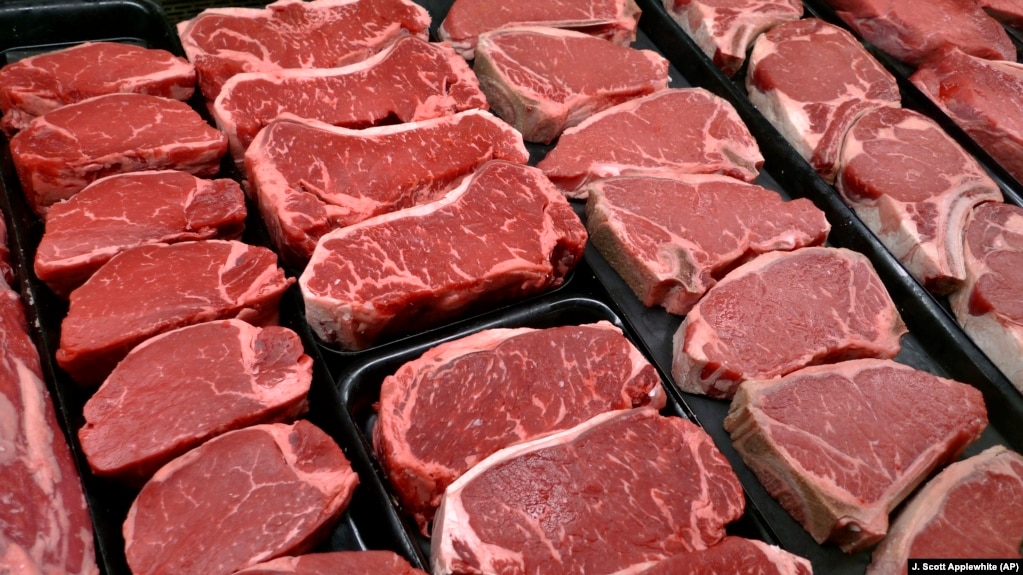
{"x": 332, "y": 563}
{"x": 783, "y": 311}
{"x": 733, "y": 556}
{"x": 672, "y": 256}
{"x": 208, "y": 378}
{"x": 842, "y": 486}
{"x": 814, "y": 106}
{"x": 504, "y": 233}
{"x": 310, "y": 178}
{"x": 239, "y": 499}
{"x": 37, "y": 84}
{"x": 617, "y": 493}
{"x": 222, "y": 42}
{"x": 409, "y": 81}
{"x": 153, "y": 288}
{"x": 443, "y": 412}
{"x": 543, "y": 80}
{"x": 670, "y": 132}
{"x": 126, "y": 210}
{"x": 1008, "y": 12}
{"x": 914, "y": 187}
{"x": 6, "y": 271}
{"x": 67, "y": 149}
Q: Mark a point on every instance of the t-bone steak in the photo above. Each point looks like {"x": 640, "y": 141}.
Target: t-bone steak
{"x": 840, "y": 446}
{"x": 783, "y": 311}
{"x": 333, "y": 562}
{"x": 733, "y": 556}
{"x": 504, "y": 233}
{"x": 310, "y": 178}
{"x": 671, "y": 257}
{"x": 543, "y": 80}
{"x": 239, "y": 499}
{"x": 814, "y": 106}
{"x": 615, "y": 494}
{"x": 443, "y": 412}
{"x": 670, "y": 132}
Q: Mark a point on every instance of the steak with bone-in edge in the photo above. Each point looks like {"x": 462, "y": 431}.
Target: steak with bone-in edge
{"x": 670, "y": 132}
{"x": 914, "y": 187}
{"x": 783, "y": 311}
{"x": 37, "y": 84}
{"x": 222, "y": 42}
{"x": 504, "y": 233}
{"x": 672, "y": 239}
{"x": 615, "y": 494}
{"x": 842, "y": 485}
{"x": 370, "y": 562}
{"x": 443, "y": 412}
{"x": 814, "y": 106}
{"x": 733, "y": 556}
{"x": 543, "y": 80}
{"x": 310, "y": 178}
{"x": 409, "y": 81}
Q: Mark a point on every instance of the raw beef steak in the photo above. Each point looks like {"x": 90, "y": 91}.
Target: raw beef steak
{"x": 672, "y": 239}
{"x": 239, "y": 499}
{"x": 411, "y": 80}
{"x": 973, "y": 509}
{"x": 543, "y": 80}
{"x": 733, "y": 556}
{"x": 1008, "y": 12}
{"x": 119, "y": 212}
{"x": 613, "y": 20}
{"x": 914, "y": 187}
{"x": 619, "y": 492}
{"x": 989, "y": 306}
{"x": 670, "y": 132}
{"x": 332, "y": 563}
{"x": 38, "y": 84}
{"x": 67, "y": 149}
{"x": 310, "y": 178}
{"x": 222, "y": 42}
{"x": 502, "y": 234}
{"x": 783, "y": 311}
{"x": 182, "y": 387}
{"x": 726, "y": 29}
{"x": 461, "y": 401}
{"x": 841, "y": 445}
{"x": 6, "y": 271}
{"x": 153, "y": 288}
{"x": 814, "y": 106}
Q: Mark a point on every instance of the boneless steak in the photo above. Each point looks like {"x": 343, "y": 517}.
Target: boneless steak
{"x": 502, "y": 234}
{"x": 814, "y": 106}
{"x": 153, "y": 288}
{"x": 670, "y": 132}
{"x": 543, "y": 80}
{"x": 733, "y": 556}
{"x": 67, "y": 149}
{"x": 615, "y": 494}
{"x": 783, "y": 311}
{"x": 672, "y": 239}
{"x": 37, "y": 84}
{"x": 841, "y": 445}
{"x": 239, "y": 499}
{"x": 372, "y": 562}
{"x": 1008, "y": 12}
{"x": 443, "y": 412}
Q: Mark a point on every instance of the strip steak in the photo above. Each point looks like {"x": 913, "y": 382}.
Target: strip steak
{"x": 733, "y": 556}
{"x": 331, "y": 563}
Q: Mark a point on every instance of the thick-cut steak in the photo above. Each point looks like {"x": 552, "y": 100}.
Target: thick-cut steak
{"x": 153, "y": 288}
{"x": 119, "y": 212}
{"x": 672, "y": 239}
{"x": 726, "y": 29}
{"x": 310, "y": 178}
{"x": 783, "y": 311}
{"x": 67, "y": 149}
{"x": 334, "y": 562}
{"x": 670, "y": 132}
{"x": 814, "y": 106}
{"x": 733, "y": 556}
{"x": 840, "y": 446}
{"x": 442, "y": 413}
{"x": 207, "y": 379}
{"x": 543, "y": 80}
{"x": 501, "y": 235}
{"x": 239, "y": 499}
{"x": 914, "y": 187}
{"x": 222, "y": 42}
{"x": 409, "y": 81}
{"x": 622, "y": 491}
{"x": 38, "y": 84}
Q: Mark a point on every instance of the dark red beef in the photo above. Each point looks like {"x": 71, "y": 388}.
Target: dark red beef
{"x": 331, "y": 563}
{"x": 733, "y": 556}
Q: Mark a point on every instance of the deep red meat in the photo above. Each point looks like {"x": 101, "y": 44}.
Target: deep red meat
{"x": 331, "y": 563}
{"x": 733, "y": 556}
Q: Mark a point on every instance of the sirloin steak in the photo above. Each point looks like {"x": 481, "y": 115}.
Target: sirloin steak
{"x": 334, "y": 562}
{"x": 733, "y": 556}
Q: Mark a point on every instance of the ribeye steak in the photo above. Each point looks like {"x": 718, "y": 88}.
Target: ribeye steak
{"x": 370, "y": 562}
{"x": 733, "y": 556}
